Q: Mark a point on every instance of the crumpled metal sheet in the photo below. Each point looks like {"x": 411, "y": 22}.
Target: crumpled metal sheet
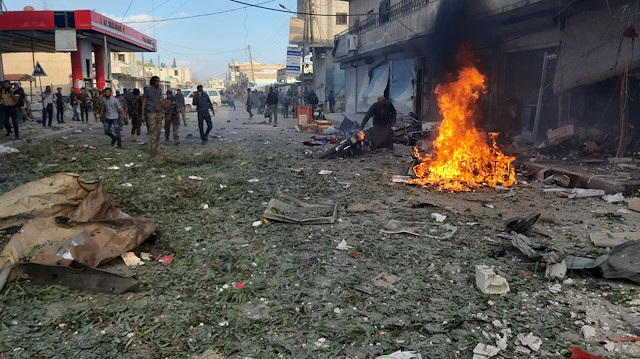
{"x": 66, "y": 221}
{"x": 623, "y": 261}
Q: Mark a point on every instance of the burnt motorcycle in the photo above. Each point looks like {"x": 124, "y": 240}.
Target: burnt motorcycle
{"x": 356, "y": 140}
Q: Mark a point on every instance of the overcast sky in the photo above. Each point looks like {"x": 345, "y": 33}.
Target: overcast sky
{"x": 206, "y": 44}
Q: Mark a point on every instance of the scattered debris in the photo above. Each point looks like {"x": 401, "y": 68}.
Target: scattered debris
{"x": 588, "y": 331}
{"x": 488, "y": 282}
{"x": 438, "y": 217}
{"x": 7, "y": 149}
{"x": 256, "y": 224}
{"x": 401, "y": 355}
{"x": 560, "y": 134}
{"x": 197, "y": 178}
{"x": 613, "y": 198}
{"x": 237, "y": 285}
{"x": 522, "y": 225}
{"x": 626, "y": 339}
{"x": 145, "y": 256}
{"x": 562, "y": 180}
{"x": 325, "y": 172}
{"x": 400, "y": 179}
{"x": 585, "y": 192}
{"x": 253, "y": 180}
{"x": 385, "y": 280}
{"x": 166, "y": 259}
{"x": 608, "y": 239}
{"x": 290, "y": 209}
{"x": 420, "y": 229}
{"x": 131, "y": 259}
{"x": 577, "y": 353}
{"x": 489, "y": 205}
{"x": 634, "y": 204}
{"x": 556, "y": 270}
{"x": 113, "y": 168}
{"x": 373, "y": 206}
{"x": 91, "y": 279}
{"x": 343, "y": 246}
{"x": 127, "y": 184}
{"x": 556, "y": 288}
{"x": 531, "y": 341}
{"x": 485, "y": 351}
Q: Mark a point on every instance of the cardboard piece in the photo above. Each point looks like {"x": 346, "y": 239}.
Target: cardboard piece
{"x": 66, "y": 221}
{"x": 634, "y": 204}
{"x": 559, "y": 134}
{"x": 605, "y": 239}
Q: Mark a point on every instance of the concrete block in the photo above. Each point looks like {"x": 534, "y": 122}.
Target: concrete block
{"x": 588, "y": 332}
{"x": 485, "y": 351}
{"x": 556, "y": 270}
{"x": 556, "y": 136}
{"x": 489, "y": 282}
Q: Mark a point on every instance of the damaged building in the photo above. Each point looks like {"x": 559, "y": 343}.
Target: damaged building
{"x": 565, "y": 65}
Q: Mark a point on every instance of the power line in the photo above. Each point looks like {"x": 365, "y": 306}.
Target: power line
{"x": 194, "y": 16}
{"x": 125, "y": 13}
{"x": 333, "y": 15}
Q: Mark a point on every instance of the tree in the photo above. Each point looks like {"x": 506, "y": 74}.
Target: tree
{"x": 174, "y": 63}
{"x": 195, "y": 80}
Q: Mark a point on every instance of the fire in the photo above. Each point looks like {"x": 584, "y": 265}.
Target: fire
{"x": 462, "y": 160}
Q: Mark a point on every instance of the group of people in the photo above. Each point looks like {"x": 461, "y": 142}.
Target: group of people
{"x": 13, "y": 108}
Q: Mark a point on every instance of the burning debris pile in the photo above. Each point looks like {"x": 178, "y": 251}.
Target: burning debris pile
{"x": 461, "y": 159}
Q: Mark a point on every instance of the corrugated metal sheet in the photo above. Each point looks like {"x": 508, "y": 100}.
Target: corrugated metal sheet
{"x": 350, "y": 89}
{"x": 379, "y": 81}
{"x": 362, "y": 82}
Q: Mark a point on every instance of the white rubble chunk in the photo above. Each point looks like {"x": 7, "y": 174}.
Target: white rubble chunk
{"x": 531, "y": 341}
{"x": 489, "y": 282}
{"x": 588, "y": 331}
{"x": 485, "y": 351}
{"x": 556, "y": 270}
{"x": 401, "y": 355}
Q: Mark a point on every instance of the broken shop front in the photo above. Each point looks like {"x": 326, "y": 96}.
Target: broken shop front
{"x": 578, "y": 75}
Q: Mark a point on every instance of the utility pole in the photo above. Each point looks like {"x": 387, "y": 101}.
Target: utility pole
{"x": 253, "y": 75}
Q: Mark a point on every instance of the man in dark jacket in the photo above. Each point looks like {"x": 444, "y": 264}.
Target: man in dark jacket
{"x": 384, "y": 117}
{"x": 272, "y": 102}
{"x": 74, "y": 104}
{"x": 203, "y": 104}
{"x": 181, "y": 106}
{"x": 59, "y": 105}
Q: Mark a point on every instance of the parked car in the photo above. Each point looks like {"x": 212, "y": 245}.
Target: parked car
{"x": 214, "y": 95}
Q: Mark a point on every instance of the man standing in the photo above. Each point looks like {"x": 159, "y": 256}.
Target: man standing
{"x": 272, "y": 102}
{"x": 285, "y": 103}
{"x": 123, "y": 102}
{"x": 384, "y": 116}
{"x": 23, "y": 116}
{"x": 109, "y": 111}
{"x": 59, "y": 105}
{"x": 10, "y": 100}
{"x": 74, "y": 104}
{"x": 135, "y": 107}
{"x": 181, "y": 106}
{"x": 171, "y": 119}
{"x": 249, "y": 103}
{"x": 202, "y": 102}
{"x": 47, "y": 106}
{"x": 331, "y": 100}
{"x": 85, "y": 102}
{"x": 313, "y": 99}
{"x": 151, "y": 105}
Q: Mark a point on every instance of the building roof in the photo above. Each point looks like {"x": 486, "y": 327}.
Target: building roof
{"x": 17, "y": 77}
{"x": 27, "y": 31}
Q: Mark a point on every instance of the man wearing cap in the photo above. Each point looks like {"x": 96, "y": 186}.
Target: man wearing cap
{"x": 202, "y": 102}
{"x": 109, "y": 111}
{"x": 151, "y": 111}
{"x": 171, "y": 119}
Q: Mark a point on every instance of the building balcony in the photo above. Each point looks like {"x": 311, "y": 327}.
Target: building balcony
{"x": 404, "y": 21}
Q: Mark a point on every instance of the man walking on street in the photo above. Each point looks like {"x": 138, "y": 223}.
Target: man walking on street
{"x": 384, "y": 117}
{"x": 10, "y": 100}
{"x": 109, "y": 111}
{"x": 203, "y": 104}
{"x": 47, "y": 106}
{"x": 272, "y": 102}
{"x": 171, "y": 119}
{"x": 151, "y": 105}
{"x": 249, "y": 103}
{"x": 231, "y": 100}
{"x": 123, "y": 102}
{"x": 181, "y": 106}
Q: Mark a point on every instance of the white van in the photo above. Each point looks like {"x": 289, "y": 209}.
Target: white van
{"x": 188, "y": 94}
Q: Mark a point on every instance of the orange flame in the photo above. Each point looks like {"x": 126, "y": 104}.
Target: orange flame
{"x": 462, "y": 160}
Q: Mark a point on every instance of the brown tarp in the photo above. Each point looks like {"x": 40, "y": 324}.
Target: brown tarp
{"x": 95, "y": 233}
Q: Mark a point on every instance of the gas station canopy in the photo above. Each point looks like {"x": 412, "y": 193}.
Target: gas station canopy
{"x": 27, "y": 31}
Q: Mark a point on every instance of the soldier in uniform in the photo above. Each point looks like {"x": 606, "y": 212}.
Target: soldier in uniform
{"x": 84, "y": 100}
{"x": 171, "y": 120}
{"x": 123, "y": 103}
{"x": 135, "y": 109}
{"x": 97, "y": 103}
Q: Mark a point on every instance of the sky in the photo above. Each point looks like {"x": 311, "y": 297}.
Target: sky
{"x": 205, "y": 44}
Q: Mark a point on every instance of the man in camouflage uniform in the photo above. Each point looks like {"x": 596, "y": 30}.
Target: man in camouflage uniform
{"x": 84, "y": 100}
{"x": 171, "y": 119}
{"x": 97, "y": 103}
{"x": 135, "y": 109}
{"x": 123, "y": 103}
{"x": 151, "y": 111}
